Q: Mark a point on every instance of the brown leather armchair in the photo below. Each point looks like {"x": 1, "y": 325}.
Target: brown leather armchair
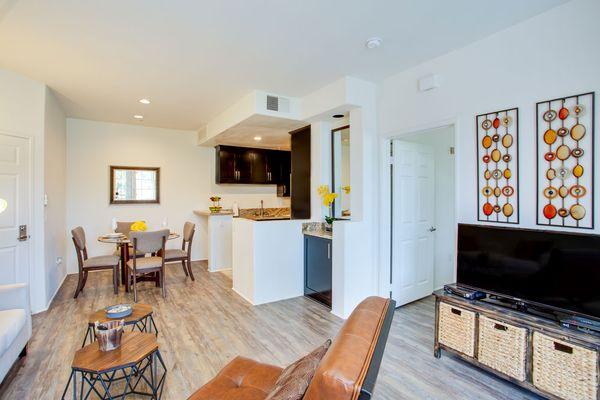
{"x": 347, "y": 372}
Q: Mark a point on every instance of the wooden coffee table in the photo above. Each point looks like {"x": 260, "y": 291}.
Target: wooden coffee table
{"x": 140, "y": 319}
{"x": 118, "y": 373}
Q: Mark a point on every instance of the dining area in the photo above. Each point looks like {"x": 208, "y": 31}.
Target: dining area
{"x": 132, "y": 243}
{"x": 140, "y": 255}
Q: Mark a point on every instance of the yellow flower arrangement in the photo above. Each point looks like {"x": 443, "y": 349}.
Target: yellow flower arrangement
{"x": 326, "y": 195}
{"x": 346, "y": 189}
{"x": 139, "y": 226}
{"x": 328, "y": 198}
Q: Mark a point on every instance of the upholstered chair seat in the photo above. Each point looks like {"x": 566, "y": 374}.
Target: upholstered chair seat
{"x": 146, "y": 262}
{"x": 144, "y": 267}
{"x": 175, "y": 253}
{"x": 87, "y": 264}
{"x": 100, "y": 261}
{"x": 242, "y": 378}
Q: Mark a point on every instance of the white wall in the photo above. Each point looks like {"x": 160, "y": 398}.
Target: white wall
{"x": 551, "y": 55}
{"x": 440, "y": 140}
{"x": 55, "y": 184}
{"x": 22, "y": 113}
{"x": 187, "y": 181}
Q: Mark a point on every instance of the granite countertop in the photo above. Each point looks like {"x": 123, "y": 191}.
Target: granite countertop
{"x": 268, "y": 214}
{"x": 207, "y": 213}
{"x": 316, "y": 229}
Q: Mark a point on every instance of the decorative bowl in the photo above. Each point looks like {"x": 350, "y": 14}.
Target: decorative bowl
{"x": 109, "y": 334}
{"x": 119, "y": 311}
{"x": 215, "y": 209}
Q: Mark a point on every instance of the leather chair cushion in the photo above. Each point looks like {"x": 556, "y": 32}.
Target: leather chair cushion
{"x": 175, "y": 253}
{"x": 296, "y": 377}
{"x": 145, "y": 262}
{"x": 241, "y": 379}
{"x": 11, "y": 322}
{"x": 101, "y": 261}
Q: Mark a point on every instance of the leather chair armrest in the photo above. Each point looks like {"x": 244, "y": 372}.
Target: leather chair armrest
{"x": 241, "y": 378}
{"x": 15, "y": 296}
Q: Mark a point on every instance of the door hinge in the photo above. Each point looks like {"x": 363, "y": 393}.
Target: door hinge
{"x": 452, "y": 150}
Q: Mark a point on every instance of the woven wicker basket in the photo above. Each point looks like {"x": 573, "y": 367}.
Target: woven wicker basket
{"x": 502, "y": 347}
{"x": 564, "y": 369}
{"x": 457, "y": 328}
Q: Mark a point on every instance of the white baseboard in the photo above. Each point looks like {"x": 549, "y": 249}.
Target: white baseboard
{"x": 242, "y": 296}
{"x": 220, "y": 270}
{"x": 53, "y": 296}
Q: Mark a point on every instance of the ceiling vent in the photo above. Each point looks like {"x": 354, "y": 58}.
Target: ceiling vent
{"x": 279, "y": 104}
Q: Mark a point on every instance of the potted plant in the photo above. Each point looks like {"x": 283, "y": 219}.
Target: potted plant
{"x": 328, "y": 199}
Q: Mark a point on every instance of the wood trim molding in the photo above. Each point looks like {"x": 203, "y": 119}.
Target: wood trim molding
{"x": 112, "y": 185}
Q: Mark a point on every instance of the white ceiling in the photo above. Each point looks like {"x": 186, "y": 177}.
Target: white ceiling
{"x": 195, "y": 58}
{"x": 273, "y": 131}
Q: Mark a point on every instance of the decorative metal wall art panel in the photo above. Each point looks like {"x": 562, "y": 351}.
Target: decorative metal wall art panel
{"x": 498, "y": 166}
{"x": 565, "y": 161}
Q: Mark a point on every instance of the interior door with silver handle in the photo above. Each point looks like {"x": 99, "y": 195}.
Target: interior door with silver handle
{"x": 23, "y": 236}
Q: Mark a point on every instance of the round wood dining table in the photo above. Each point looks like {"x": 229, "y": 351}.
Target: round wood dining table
{"x": 122, "y": 242}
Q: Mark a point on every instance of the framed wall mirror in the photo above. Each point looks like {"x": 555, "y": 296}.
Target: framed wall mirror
{"x": 134, "y": 185}
{"x": 340, "y": 171}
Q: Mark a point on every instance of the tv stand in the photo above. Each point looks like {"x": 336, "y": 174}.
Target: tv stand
{"x": 520, "y": 344}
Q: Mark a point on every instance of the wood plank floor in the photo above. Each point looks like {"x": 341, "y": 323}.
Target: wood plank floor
{"x": 204, "y": 324}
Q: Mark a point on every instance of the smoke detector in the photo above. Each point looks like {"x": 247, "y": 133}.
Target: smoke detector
{"x": 373, "y": 43}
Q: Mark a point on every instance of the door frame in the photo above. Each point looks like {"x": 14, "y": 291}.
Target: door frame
{"x": 385, "y": 193}
{"x": 30, "y": 225}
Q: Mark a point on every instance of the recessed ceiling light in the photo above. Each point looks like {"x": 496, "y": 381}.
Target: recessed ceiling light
{"x": 140, "y": 117}
{"x": 144, "y": 101}
{"x": 337, "y": 116}
{"x": 257, "y": 138}
{"x": 373, "y": 43}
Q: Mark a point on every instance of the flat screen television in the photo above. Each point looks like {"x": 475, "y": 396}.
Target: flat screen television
{"x": 553, "y": 270}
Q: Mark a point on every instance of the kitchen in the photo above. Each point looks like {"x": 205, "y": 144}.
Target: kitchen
{"x": 273, "y": 252}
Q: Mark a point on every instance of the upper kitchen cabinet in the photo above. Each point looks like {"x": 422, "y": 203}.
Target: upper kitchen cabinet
{"x": 225, "y": 165}
{"x": 252, "y": 166}
{"x": 300, "y": 183}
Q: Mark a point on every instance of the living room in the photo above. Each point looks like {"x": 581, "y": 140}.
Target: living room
{"x": 245, "y": 191}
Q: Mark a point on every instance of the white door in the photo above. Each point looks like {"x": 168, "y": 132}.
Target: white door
{"x": 412, "y": 221}
{"x": 14, "y": 209}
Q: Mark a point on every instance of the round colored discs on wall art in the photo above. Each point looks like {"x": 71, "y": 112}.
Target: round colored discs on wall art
{"x": 497, "y": 166}
{"x": 565, "y": 152}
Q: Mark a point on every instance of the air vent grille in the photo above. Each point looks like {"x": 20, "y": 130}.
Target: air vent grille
{"x": 272, "y": 103}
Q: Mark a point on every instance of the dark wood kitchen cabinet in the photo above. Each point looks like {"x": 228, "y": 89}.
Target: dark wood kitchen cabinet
{"x": 317, "y": 268}
{"x": 283, "y": 174}
{"x": 246, "y": 165}
{"x": 300, "y": 184}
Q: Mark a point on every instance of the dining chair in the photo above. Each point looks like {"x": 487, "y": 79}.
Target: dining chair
{"x": 124, "y": 228}
{"x": 87, "y": 264}
{"x": 148, "y": 242}
{"x": 184, "y": 255}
